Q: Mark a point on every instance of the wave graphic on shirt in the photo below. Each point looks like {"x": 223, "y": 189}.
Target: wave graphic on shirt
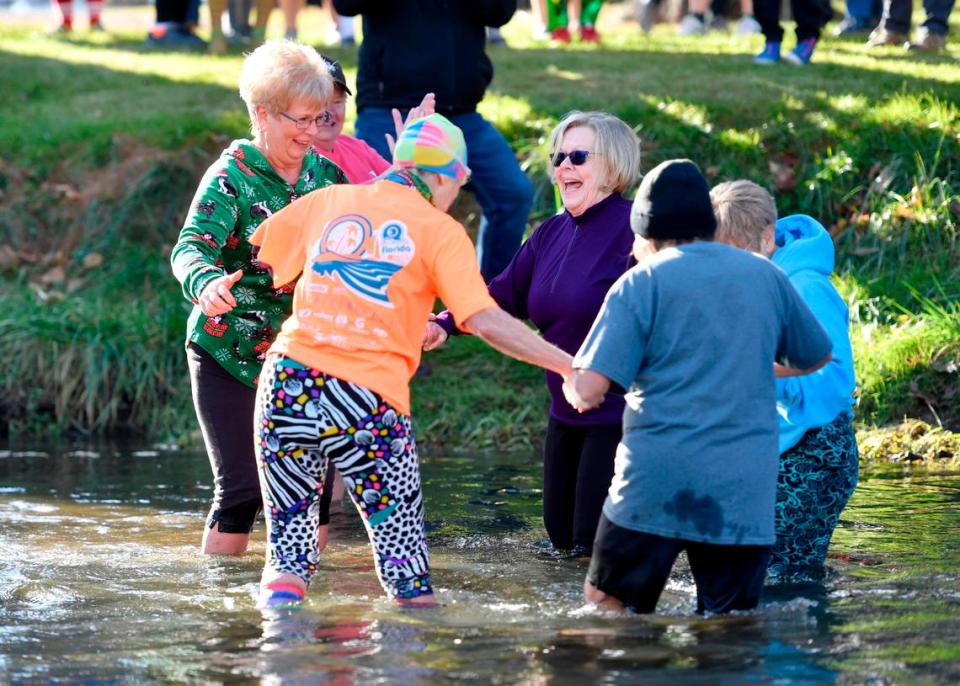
{"x": 349, "y": 249}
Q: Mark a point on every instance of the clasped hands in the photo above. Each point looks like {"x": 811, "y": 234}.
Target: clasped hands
{"x": 584, "y": 389}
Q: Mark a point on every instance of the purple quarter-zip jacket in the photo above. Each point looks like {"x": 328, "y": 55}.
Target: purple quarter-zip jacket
{"x": 558, "y": 280}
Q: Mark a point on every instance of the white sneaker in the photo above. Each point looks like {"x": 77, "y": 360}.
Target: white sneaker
{"x": 646, "y": 14}
{"x": 747, "y": 26}
{"x": 691, "y": 26}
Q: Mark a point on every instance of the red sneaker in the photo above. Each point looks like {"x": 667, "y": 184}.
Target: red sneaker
{"x": 588, "y": 34}
{"x": 560, "y": 35}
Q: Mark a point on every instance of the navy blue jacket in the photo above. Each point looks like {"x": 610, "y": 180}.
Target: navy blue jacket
{"x": 413, "y": 47}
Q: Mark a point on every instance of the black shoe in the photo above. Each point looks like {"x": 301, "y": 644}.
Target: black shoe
{"x": 174, "y": 37}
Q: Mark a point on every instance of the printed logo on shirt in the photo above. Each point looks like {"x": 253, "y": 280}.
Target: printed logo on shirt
{"x": 361, "y": 258}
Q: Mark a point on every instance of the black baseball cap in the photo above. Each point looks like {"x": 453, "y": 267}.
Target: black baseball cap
{"x": 336, "y": 73}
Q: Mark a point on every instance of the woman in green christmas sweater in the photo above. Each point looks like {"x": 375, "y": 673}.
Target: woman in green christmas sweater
{"x": 237, "y": 311}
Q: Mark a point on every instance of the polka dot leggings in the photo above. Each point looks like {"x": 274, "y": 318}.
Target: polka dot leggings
{"x": 304, "y": 419}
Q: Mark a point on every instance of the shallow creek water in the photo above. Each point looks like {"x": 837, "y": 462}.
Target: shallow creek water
{"x": 101, "y": 583}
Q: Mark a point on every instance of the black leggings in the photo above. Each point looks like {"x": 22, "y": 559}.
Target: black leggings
{"x": 577, "y": 470}
{"x": 224, "y": 407}
{"x": 810, "y": 15}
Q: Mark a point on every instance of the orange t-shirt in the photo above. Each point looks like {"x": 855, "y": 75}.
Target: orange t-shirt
{"x": 373, "y": 260}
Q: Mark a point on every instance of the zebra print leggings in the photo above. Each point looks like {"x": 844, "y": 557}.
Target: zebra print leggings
{"x": 304, "y": 419}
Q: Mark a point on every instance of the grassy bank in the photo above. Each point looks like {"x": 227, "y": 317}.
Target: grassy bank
{"x": 102, "y": 142}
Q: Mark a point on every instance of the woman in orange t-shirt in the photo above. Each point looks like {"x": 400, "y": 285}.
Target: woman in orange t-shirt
{"x": 335, "y": 386}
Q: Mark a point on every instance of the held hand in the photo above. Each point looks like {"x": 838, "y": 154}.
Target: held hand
{"x": 570, "y": 393}
{"x": 434, "y": 336}
{"x": 584, "y": 389}
{"x": 426, "y": 107}
{"x": 216, "y": 297}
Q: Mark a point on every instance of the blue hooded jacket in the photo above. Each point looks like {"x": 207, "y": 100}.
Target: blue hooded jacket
{"x": 805, "y": 252}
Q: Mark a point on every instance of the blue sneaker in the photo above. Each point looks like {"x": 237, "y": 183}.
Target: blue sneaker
{"x": 800, "y": 55}
{"x": 770, "y": 54}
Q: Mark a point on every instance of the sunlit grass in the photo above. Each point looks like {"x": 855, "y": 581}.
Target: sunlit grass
{"x": 867, "y": 141}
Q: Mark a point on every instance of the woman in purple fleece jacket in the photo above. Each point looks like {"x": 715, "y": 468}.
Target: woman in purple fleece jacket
{"x": 558, "y": 280}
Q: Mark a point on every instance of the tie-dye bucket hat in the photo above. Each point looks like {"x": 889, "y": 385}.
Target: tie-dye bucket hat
{"x": 434, "y": 144}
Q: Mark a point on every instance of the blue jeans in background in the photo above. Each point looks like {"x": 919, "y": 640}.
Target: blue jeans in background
{"x": 502, "y": 189}
{"x": 896, "y": 15}
{"x": 864, "y": 11}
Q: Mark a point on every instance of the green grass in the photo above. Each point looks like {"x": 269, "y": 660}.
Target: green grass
{"x": 102, "y": 142}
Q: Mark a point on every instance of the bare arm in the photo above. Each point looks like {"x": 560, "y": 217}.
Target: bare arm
{"x": 585, "y": 388}
{"x": 782, "y": 372}
{"x": 512, "y": 337}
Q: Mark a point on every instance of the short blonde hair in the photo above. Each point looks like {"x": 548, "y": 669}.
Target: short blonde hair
{"x": 744, "y": 211}
{"x": 280, "y": 73}
{"x": 616, "y": 145}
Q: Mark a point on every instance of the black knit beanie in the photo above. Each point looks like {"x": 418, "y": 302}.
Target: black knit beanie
{"x": 673, "y": 203}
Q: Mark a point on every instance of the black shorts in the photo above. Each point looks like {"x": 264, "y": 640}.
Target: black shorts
{"x": 633, "y": 567}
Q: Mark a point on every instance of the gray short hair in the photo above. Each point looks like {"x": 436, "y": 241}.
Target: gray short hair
{"x": 617, "y": 146}
{"x": 744, "y": 211}
{"x": 280, "y": 73}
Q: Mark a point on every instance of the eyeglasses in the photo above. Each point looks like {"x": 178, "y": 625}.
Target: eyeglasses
{"x": 576, "y": 157}
{"x": 303, "y": 123}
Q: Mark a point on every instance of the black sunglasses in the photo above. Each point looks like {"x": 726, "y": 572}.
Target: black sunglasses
{"x": 577, "y": 157}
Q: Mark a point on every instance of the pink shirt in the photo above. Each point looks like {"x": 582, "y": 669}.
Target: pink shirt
{"x": 359, "y": 161}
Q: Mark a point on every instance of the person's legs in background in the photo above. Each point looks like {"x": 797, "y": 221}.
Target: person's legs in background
{"x": 290, "y": 9}
{"x": 66, "y": 16}
{"x": 861, "y": 17}
{"x": 502, "y": 189}
{"x": 171, "y": 29}
{"x": 538, "y": 12}
{"x": 894, "y": 24}
{"x": 718, "y": 16}
{"x": 557, "y": 21}
{"x": 932, "y": 34}
{"x": 767, "y": 12}
{"x": 343, "y": 26}
{"x": 811, "y": 16}
{"x": 218, "y": 44}
{"x": 239, "y": 13}
{"x": 694, "y": 22}
{"x": 747, "y": 25}
{"x": 96, "y": 9}
{"x": 259, "y": 32}
{"x": 589, "y": 11}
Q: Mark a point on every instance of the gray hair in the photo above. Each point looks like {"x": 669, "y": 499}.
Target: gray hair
{"x": 616, "y": 145}
{"x": 744, "y": 211}
{"x": 280, "y": 73}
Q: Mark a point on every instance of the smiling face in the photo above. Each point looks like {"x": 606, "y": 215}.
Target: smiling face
{"x": 326, "y": 135}
{"x": 284, "y": 142}
{"x": 581, "y": 187}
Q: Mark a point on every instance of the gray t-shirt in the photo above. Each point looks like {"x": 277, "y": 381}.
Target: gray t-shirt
{"x": 693, "y": 334}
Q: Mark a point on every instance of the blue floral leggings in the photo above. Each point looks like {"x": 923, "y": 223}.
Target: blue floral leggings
{"x": 817, "y": 477}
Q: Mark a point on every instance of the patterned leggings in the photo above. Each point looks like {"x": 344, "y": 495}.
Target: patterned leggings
{"x": 817, "y": 477}
{"x": 306, "y": 418}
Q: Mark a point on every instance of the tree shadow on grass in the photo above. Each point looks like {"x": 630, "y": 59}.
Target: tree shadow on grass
{"x": 790, "y": 129}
